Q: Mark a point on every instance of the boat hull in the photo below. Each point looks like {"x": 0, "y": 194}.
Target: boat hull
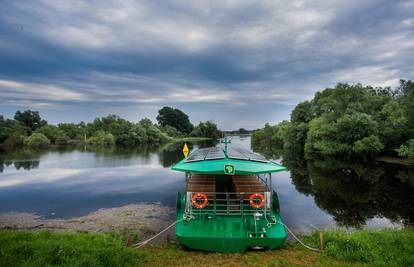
{"x": 228, "y": 234}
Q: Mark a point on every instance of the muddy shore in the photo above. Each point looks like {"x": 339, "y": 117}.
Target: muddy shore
{"x": 142, "y": 219}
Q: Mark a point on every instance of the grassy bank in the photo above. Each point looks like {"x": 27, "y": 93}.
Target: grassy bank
{"x": 366, "y": 248}
{"x": 190, "y": 139}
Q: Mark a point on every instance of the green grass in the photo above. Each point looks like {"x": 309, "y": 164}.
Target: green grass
{"x": 359, "y": 248}
{"x": 386, "y": 247}
{"x": 18, "y": 248}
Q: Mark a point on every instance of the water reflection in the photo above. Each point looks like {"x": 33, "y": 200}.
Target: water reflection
{"x": 25, "y": 159}
{"x": 354, "y": 192}
{"x": 67, "y": 182}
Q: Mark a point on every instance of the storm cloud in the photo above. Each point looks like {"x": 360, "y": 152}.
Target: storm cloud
{"x": 238, "y": 63}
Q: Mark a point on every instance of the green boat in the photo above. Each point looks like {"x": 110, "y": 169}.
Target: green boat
{"x": 229, "y": 204}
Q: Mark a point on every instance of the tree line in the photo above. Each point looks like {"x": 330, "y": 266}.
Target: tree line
{"x": 27, "y": 128}
{"x": 352, "y": 121}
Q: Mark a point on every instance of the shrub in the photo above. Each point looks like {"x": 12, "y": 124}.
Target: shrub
{"x": 102, "y": 138}
{"x": 50, "y": 131}
{"x": 16, "y": 139}
{"x": 37, "y": 140}
{"x": 155, "y": 136}
{"x": 61, "y": 138}
{"x": 407, "y": 151}
{"x": 171, "y": 131}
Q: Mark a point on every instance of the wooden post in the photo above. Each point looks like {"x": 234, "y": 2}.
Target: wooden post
{"x": 129, "y": 241}
{"x": 321, "y": 240}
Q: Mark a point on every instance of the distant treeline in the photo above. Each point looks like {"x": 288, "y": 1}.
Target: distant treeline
{"x": 351, "y": 121}
{"x": 29, "y": 129}
{"x": 240, "y": 131}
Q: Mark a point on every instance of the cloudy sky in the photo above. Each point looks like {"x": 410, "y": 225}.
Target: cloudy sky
{"x": 238, "y": 63}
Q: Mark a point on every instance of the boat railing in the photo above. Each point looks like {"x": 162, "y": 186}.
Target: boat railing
{"x": 226, "y": 204}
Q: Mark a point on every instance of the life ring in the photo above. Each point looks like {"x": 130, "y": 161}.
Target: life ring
{"x": 196, "y": 197}
{"x": 253, "y": 204}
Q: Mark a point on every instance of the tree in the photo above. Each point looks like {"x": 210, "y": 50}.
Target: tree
{"x": 16, "y": 138}
{"x": 61, "y": 138}
{"x": 155, "y": 136}
{"x": 12, "y": 132}
{"x": 171, "y": 131}
{"x": 393, "y": 127}
{"x": 72, "y": 130}
{"x": 50, "y": 131}
{"x": 136, "y": 136}
{"x": 102, "y": 138}
{"x": 302, "y": 113}
{"x": 347, "y": 120}
{"x": 350, "y": 134}
{"x": 175, "y": 118}
{"x": 37, "y": 140}
{"x": 406, "y": 100}
{"x": 3, "y": 129}
{"x": 206, "y": 129}
{"x": 407, "y": 151}
{"x": 30, "y": 119}
{"x": 145, "y": 123}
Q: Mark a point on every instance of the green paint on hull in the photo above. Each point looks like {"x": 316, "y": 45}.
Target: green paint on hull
{"x": 229, "y": 233}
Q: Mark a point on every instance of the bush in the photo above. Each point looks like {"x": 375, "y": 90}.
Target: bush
{"x": 134, "y": 137}
{"x": 350, "y": 134}
{"x": 206, "y": 129}
{"x": 37, "y": 140}
{"x": 61, "y": 138}
{"x": 102, "y": 138}
{"x": 155, "y": 136}
{"x": 171, "y": 131}
{"x": 50, "y": 131}
{"x": 407, "y": 151}
{"x": 16, "y": 139}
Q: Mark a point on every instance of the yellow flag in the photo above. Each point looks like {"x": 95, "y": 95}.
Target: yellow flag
{"x": 185, "y": 150}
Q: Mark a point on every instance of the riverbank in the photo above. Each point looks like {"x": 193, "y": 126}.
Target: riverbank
{"x": 358, "y": 248}
{"x": 190, "y": 139}
{"x": 83, "y": 143}
{"x": 135, "y": 220}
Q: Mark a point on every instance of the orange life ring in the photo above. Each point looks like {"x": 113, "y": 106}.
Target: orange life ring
{"x": 253, "y": 204}
{"x": 197, "y": 196}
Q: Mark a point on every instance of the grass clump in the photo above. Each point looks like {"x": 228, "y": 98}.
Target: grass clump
{"x": 44, "y": 248}
{"x": 386, "y": 247}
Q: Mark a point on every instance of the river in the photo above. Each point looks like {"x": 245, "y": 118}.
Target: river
{"x": 72, "y": 182}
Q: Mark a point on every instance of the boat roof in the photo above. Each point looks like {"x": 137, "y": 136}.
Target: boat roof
{"x": 215, "y": 160}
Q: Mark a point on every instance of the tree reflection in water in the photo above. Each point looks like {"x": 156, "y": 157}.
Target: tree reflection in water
{"x": 354, "y": 192}
{"x": 26, "y": 159}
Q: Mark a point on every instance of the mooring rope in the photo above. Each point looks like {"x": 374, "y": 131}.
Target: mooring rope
{"x": 297, "y": 239}
{"x": 143, "y": 243}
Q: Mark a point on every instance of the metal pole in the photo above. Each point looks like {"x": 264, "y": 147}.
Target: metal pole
{"x": 270, "y": 182}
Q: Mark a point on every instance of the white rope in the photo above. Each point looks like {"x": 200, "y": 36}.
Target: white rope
{"x": 297, "y": 239}
{"x": 143, "y": 243}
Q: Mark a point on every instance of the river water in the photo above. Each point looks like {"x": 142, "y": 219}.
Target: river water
{"x": 71, "y": 182}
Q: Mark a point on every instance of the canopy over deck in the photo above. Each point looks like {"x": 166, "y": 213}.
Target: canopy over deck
{"x": 214, "y": 160}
